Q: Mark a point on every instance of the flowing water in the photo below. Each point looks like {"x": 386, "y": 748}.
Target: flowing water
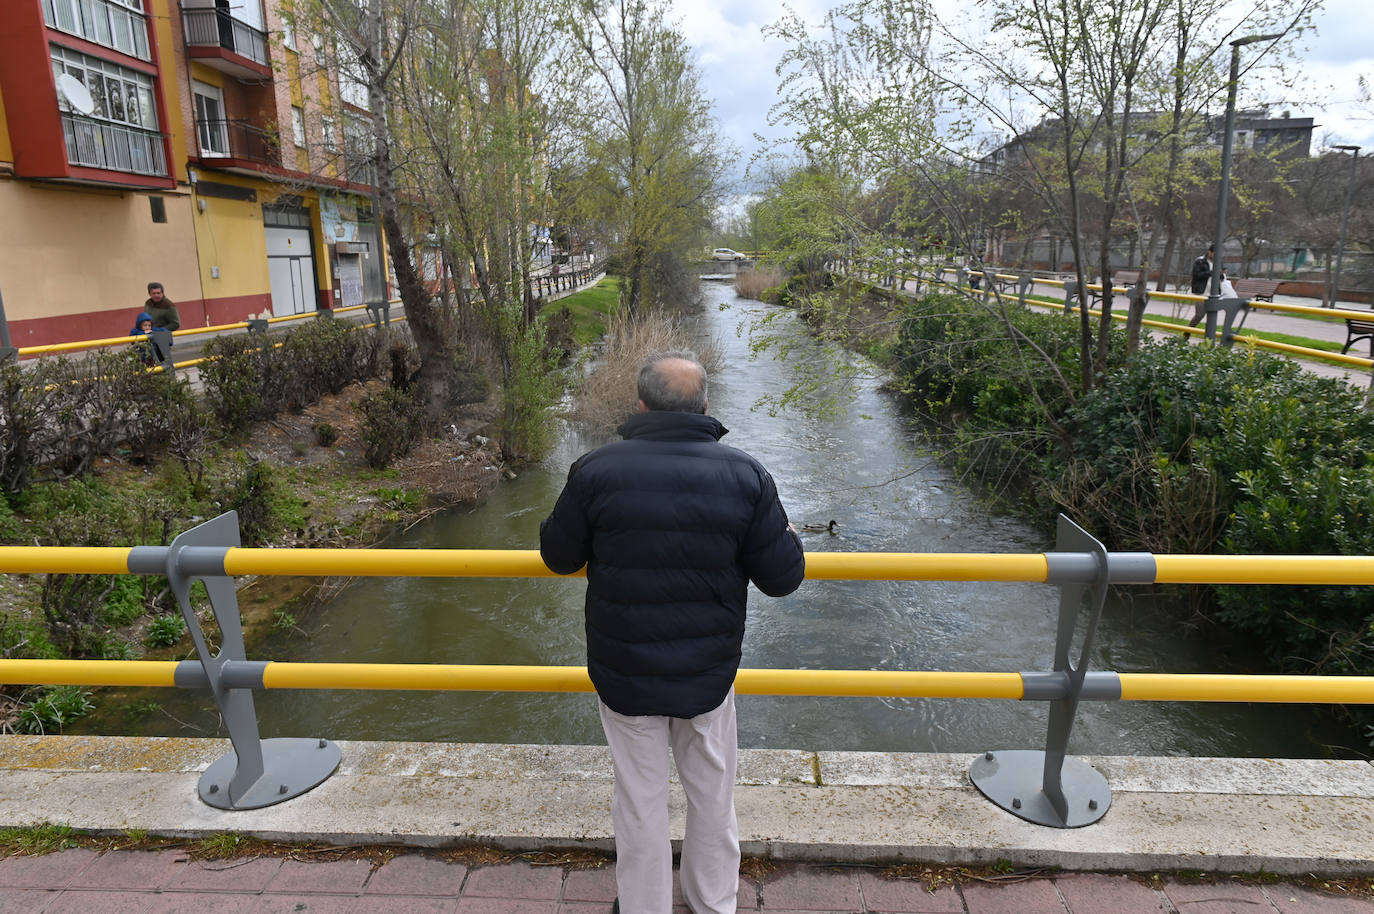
{"x": 866, "y": 470}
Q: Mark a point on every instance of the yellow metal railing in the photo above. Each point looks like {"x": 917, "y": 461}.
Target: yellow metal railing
{"x": 260, "y": 772}
{"x": 1188, "y": 298}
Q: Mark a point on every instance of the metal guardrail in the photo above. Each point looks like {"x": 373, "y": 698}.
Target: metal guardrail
{"x": 97, "y": 143}
{"x": 1046, "y": 787}
{"x": 1023, "y": 283}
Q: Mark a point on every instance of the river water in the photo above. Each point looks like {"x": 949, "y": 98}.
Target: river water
{"x": 865, "y": 469}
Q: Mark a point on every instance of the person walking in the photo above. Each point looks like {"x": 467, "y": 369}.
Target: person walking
{"x": 1201, "y": 276}
{"x": 672, "y": 526}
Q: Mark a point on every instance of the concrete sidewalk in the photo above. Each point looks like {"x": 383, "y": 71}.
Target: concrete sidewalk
{"x": 84, "y": 881}
{"x": 831, "y": 823}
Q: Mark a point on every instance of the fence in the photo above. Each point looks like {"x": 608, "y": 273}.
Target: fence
{"x": 1022, "y": 285}
{"x": 1045, "y": 787}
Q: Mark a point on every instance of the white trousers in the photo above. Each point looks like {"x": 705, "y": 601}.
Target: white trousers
{"x": 704, "y": 748}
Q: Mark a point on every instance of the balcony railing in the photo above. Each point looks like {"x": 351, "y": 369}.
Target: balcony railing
{"x": 116, "y": 147}
{"x": 237, "y": 139}
{"x": 216, "y": 28}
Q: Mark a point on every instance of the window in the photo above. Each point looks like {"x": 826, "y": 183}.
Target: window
{"x": 121, "y": 130}
{"x": 288, "y": 29}
{"x": 118, "y": 24}
{"x": 298, "y": 126}
{"x": 330, "y": 127}
{"x": 158, "y": 208}
{"x": 212, "y": 129}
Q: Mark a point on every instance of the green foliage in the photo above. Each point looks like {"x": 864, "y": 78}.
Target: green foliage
{"x": 165, "y": 630}
{"x": 248, "y": 377}
{"x": 264, "y": 509}
{"x": 36, "y": 840}
{"x": 325, "y": 434}
{"x": 392, "y": 423}
{"x": 54, "y": 707}
{"x": 532, "y": 384}
{"x": 125, "y": 601}
{"x": 590, "y": 310}
{"x": 1184, "y": 449}
{"x": 283, "y": 621}
{"x": 22, "y": 639}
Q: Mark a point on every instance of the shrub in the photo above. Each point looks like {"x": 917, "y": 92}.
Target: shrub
{"x": 753, "y": 283}
{"x": 391, "y": 425}
{"x": 165, "y": 630}
{"x": 319, "y": 357}
{"x": 241, "y": 375}
{"x": 54, "y": 707}
{"x": 254, "y": 493}
{"x": 325, "y": 434}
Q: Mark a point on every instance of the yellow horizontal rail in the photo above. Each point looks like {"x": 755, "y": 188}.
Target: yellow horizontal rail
{"x": 820, "y": 566}
{"x": 1243, "y": 338}
{"x": 820, "y": 683}
{"x": 1267, "y": 689}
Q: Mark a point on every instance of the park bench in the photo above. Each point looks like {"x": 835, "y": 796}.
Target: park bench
{"x": 1256, "y": 289}
{"x": 1356, "y": 330}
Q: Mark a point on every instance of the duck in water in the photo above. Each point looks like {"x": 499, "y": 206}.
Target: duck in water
{"x": 820, "y": 528}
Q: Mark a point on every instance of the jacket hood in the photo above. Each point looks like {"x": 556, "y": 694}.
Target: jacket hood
{"x": 142, "y": 316}
{"x": 671, "y": 426}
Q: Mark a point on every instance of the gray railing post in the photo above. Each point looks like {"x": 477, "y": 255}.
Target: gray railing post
{"x": 1051, "y": 788}
{"x": 7, "y": 351}
{"x": 256, "y": 773}
{"x": 1023, "y": 286}
{"x": 257, "y": 325}
{"x": 380, "y": 312}
{"x": 1071, "y": 293}
{"x": 960, "y": 276}
{"x": 1232, "y": 307}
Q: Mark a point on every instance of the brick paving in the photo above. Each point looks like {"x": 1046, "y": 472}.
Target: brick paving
{"x": 83, "y": 881}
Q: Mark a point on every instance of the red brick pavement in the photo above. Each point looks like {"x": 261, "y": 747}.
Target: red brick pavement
{"x": 83, "y": 881}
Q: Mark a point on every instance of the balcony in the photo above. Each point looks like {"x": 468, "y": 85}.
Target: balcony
{"x": 237, "y": 145}
{"x": 218, "y": 40}
{"x": 114, "y": 147}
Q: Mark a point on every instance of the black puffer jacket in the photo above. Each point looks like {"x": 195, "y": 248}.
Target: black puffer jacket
{"x": 672, "y": 525}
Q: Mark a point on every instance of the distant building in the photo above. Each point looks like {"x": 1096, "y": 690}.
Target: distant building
{"x": 1290, "y": 137}
{"x": 193, "y": 144}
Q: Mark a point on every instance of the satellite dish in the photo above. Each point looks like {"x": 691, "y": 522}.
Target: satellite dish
{"x": 77, "y": 95}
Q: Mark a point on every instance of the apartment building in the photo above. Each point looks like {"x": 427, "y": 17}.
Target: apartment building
{"x": 194, "y": 144}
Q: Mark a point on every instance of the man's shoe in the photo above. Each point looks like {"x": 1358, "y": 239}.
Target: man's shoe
{"x": 615, "y": 906}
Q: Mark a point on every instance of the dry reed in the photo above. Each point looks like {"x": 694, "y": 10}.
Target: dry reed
{"x": 606, "y": 396}
{"x": 753, "y": 283}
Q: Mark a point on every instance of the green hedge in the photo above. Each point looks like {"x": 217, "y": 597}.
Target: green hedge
{"x": 1183, "y": 448}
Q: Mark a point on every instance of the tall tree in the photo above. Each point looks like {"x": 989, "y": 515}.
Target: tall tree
{"x": 655, "y": 143}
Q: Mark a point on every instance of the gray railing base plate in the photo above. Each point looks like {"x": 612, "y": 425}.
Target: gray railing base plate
{"x": 1013, "y": 780}
{"x": 291, "y": 767}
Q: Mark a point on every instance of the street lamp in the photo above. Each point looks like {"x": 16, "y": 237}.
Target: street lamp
{"x": 1214, "y": 293}
{"x": 1345, "y": 218}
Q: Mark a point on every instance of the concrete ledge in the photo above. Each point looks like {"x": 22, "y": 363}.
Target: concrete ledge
{"x": 1289, "y": 817}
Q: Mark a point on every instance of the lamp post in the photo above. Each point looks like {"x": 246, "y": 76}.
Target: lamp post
{"x": 1345, "y": 218}
{"x": 1214, "y": 290}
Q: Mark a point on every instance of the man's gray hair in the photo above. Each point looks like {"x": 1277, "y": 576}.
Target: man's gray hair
{"x": 672, "y": 392}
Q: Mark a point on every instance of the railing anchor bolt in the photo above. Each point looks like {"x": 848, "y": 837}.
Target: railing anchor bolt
{"x": 214, "y": 788}
{"x": 1015, "y": 802}
{"x": 988, "y": 756}
{"x": 1092, "y": 804}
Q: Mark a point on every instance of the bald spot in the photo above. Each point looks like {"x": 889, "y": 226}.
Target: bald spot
{"x": 681, "y": 376}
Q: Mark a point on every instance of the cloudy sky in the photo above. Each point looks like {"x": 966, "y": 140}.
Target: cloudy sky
{"x": 738, "y": 67}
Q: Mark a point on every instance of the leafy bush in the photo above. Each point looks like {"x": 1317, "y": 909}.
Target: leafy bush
{"x": 1184, "y": 449}
{"x": 165, "y": 630}
{"x": 320, "y": 357}
{"x": 53, "y": 708}
{"x": 253, "y": 491}
{"x": 242, "y": 378}
{"x": 325, "y": 434}
{"x": 125, "y": 601}
{"x": 391, "y": 425}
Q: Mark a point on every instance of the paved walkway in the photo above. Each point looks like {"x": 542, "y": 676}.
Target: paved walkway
{"x": 83, "y": 881}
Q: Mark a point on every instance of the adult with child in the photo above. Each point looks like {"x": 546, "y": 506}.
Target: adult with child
{"x": 161, "y": 308}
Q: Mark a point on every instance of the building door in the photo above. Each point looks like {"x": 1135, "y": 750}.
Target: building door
{"x": 290, "y": 259}
{"x": 350, "y": 280}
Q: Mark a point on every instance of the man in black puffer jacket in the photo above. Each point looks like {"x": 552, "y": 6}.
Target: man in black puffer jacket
{"x": 672, "y": 526}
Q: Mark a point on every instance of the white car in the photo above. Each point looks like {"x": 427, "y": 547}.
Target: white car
{"x": 727, "y": 254}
